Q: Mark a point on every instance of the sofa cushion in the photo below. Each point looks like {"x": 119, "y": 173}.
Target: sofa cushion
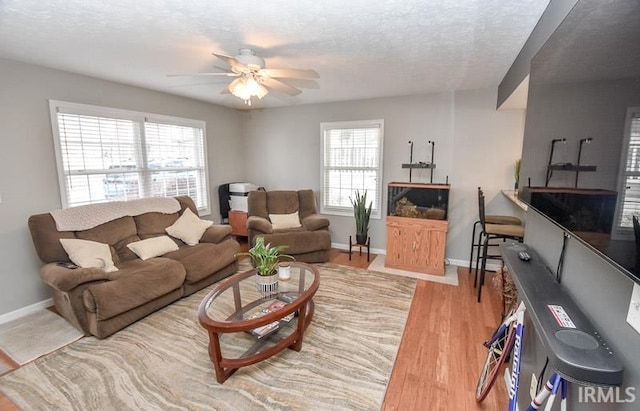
{"x": 189, "y": 228}
{"x": 89, "y": 254}
{"x": 283, "y": 221}
{"x": 154, "y": 224}
{"x": 300, "y": 241}
{"x": 46, "y": 238}
{"x": 153, "y": 247}
{"x": 117, "y": 233}
{"x": 282, "y": 202}
{"x": 137, "y": 283}
{"x": 205, "y": 258}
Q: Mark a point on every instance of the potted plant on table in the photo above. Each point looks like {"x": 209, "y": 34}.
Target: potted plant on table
{"x": 265, "y": 259}
{"x": 516, "y": 173}
{"x": 362, "y": 213}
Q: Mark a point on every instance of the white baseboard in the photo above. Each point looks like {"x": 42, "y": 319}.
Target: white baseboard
{"x": 21, "y": 312}
{"x": 346, "y": 247}
{"x": 465, "y": 263}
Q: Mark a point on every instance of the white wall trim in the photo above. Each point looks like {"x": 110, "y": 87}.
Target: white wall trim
{"x": 340, "y": 246}
{"x": 21, "y": 312}
{"x": 465, "y": 263}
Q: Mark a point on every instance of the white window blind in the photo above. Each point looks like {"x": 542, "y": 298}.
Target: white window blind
{"x": 629, "y": 202}
{"x": 105, "y": 154}
{"x": 351, "y": 160}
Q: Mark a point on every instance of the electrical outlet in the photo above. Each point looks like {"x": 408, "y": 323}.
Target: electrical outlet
{"x": 533, "y": 388}
{"x": 633, "y": 316}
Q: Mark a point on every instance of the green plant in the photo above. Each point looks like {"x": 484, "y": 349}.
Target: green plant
{"x": 362, "y": 213}
{"x": 265, "y": 258}
{"x": 516, "y": 170}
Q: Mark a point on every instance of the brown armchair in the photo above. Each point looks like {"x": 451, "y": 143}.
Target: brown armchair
{"x": 309, "y": 241}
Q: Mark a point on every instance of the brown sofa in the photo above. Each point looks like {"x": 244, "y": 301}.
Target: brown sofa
{"x": 310, "y": 242}
{"x": 101, "y": 303}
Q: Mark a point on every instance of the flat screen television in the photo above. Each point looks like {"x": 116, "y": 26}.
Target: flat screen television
{"x": 581, "y": 149}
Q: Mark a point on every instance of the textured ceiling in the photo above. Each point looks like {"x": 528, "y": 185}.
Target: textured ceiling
{"x": 360, "y": 48}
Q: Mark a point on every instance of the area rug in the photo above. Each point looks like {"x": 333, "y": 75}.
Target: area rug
{"x": 36, "y": 334}
{"x": 4, "y": 368}
{"x": 161, "y": 362}
{"x": 450, "y": 276}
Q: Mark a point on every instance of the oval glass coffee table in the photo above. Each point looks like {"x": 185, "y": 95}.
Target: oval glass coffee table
{"x": 246, "y": 326}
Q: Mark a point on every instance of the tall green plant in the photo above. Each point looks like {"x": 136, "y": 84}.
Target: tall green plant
{"x": 361, "y": 212}
{"x": 516, "y": 170}
{"x": 265, "y": 258}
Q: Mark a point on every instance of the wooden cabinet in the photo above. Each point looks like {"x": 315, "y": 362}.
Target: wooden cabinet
{"x": 416, "y": 244}
{"x": 238, "y": 222}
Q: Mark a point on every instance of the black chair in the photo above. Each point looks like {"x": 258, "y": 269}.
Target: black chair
{"x": 476, "y": 242}
{"x": 488, "y": 233}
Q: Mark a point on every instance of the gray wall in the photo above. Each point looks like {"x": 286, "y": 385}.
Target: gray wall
{"x": 28, "y": 177}
{"x": 602, "y": 292}
{"x": 475, "y": 145}
{"x": 553, "y": 15}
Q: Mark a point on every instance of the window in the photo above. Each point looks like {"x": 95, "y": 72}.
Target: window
{"x": 105, "y": 154}
{"x": 351, "y": 160}
{"x": 629, "y": 201}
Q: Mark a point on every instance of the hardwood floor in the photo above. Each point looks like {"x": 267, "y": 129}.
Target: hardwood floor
{"x": 441, "y": 352}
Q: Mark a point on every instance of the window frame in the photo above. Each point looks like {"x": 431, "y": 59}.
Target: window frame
{"x": 140, "y": 119}
{"x": 619, "y": 232}
{"x": 355, "y": 124}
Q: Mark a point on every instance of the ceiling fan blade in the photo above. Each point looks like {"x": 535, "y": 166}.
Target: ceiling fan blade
{"x": 290, "y": 73}
{"x": 303, "y": 83}
{"x": 230, "y": 61}
{"x": 203, "y": 74}
{"x": 280, "y": 86}
{"x": 226, "y": 90}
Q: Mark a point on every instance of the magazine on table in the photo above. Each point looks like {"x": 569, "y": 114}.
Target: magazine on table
{"x": 267, "y": 329}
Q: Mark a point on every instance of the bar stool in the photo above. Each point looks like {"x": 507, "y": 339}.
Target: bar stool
{"x": 476, "y": 242}
{"x": 492, "y": 232}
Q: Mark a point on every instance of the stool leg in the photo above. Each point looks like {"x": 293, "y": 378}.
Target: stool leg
{"x": 481, "y": 235}
{"x": 473, "y": 243}
{"x": 483, "y": 270}
{"x": 350, "y": 243}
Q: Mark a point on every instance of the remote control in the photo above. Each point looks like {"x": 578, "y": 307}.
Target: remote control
{"x": 524, "y": 256}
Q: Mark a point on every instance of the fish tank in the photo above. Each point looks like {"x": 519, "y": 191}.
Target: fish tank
{"x": 417, "y": 200}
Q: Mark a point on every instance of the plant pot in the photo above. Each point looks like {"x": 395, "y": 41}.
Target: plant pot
{"x": 361, "y": 239}
{"x": 267, "y": 284}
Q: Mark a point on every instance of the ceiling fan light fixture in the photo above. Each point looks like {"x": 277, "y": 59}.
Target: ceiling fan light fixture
{"x": 246, "y": 87}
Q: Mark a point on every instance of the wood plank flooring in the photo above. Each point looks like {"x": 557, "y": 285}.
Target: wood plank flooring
{"x": 441, "y": 352}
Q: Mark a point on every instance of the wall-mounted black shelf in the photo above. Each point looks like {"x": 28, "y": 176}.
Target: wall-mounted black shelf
{"x": 571, "y": 167}
{"x": 568, "y": 167}
{"x": 575, "y": 349}
{"x": 419, "y": 165}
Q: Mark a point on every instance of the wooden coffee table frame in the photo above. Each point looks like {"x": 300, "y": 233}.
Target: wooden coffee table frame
{"x": 303, "y": 305}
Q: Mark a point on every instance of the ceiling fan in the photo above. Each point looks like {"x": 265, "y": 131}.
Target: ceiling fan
{"x": 254, "y": 80}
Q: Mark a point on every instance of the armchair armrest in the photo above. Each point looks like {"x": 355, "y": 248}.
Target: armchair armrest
{"x": 315, "y": 222}
{"x": 66, "y": 279}
{"x": 216, "y": 233}
{"x": 259, "y": 224}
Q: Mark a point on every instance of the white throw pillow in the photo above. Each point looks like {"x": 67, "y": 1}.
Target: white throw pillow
{"x": 189, "y": 228}
{"x": 283, "y": 221}
{"x": 85, "y": 254}
{"x": 152, "y": 247}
